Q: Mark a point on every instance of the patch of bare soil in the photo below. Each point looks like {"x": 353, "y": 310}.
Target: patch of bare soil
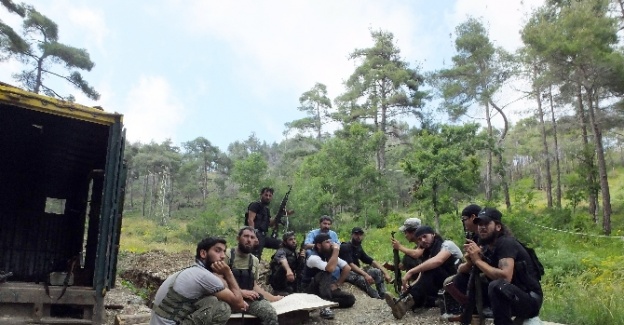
{"x": 145, "y": 272}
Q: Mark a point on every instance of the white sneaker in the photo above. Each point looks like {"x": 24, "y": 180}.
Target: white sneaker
{"x": 532, "y": 321}
{"x": 326, "y": 313}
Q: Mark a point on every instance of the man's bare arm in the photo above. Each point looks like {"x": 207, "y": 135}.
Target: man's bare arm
{"x": 251, "y": 218}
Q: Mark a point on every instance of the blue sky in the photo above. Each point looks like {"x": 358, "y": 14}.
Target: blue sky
{"x": 224, "y": 69}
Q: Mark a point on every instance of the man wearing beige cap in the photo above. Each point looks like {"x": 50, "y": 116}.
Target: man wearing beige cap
{"x": 412, "y": 255}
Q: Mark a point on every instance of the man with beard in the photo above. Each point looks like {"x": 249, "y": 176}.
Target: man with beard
{"x": 283, "y": 266}
{"x": 198, "y": 294}
{"x": 514, "y": 288}
{"x": 258, "y": 217}
{"x": 455, "y": 287}
{"x": 352, "y": 252}
{"x": 325, "y": 223}
{"x": 439, "y": 260}
{"x": 319, "y": 274}
{"x": 244, "y": 266}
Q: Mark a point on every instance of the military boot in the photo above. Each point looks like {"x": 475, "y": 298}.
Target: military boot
{"x": 399, "y": 307}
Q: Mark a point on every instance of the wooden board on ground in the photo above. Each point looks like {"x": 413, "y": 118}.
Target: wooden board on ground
{"x": 292, "y": 309}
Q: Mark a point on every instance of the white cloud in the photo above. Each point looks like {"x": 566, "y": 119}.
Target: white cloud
{"x": 504, "y": 19}
{"x": 295, "y": 44}
{"x": 91, "y": 25}
{"x": 151, "y": 111}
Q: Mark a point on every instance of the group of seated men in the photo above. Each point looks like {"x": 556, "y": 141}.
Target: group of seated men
{"x": 225, "y": 280}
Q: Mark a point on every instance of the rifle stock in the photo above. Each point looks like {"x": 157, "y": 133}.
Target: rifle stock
{"x": 397, "y": 269}
{"x": 476, "y": 299}
{"x": 301, "y": 260}
{"x": 281, "y": 212}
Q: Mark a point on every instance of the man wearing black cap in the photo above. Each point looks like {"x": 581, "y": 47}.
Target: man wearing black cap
{"x": 455, "y": 287}
{"x": 352, "y": 252}
{"x": 514, "y": 288}
{"x": 440, "y": 259}
{"x": 320, "y": 275}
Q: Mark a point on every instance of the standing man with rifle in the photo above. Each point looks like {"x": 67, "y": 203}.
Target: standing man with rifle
{"x": 258, "y": 216}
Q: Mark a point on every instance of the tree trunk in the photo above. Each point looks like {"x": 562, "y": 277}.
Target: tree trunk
{"x": 499, "y": 152}
{"x": 488, "y": 167}
{"x": 554, "y": 123}
{"x": 381, "y": 151}
{"x": 602, "y": 166}
{"x": 318, "y": 122}
{"x": 145, "y": 183}
{"x": 540, "y": 112}
{"x": 588, "y": 158}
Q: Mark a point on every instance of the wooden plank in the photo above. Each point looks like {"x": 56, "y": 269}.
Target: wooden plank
{"x": 132, "y": 319}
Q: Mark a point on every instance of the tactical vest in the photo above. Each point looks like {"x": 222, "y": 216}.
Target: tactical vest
{"x": 244, "y": 277}
{"x": 175, "y": 306}
{"x": 291, "y": 258}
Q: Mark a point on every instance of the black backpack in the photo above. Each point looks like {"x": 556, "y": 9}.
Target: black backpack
{"x": 535, "y": 260}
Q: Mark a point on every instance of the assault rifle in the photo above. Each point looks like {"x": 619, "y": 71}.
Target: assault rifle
{"x": 281, "y": 213}
{"x": 397, "y": 269}
{"x": 301, "y": 262}
{"x": 476, "y": 299}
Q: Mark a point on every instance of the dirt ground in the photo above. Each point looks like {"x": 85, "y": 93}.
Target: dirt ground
{"x": 143, "y": 273}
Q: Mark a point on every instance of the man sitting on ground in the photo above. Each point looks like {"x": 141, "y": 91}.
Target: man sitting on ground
{"x": 515, "y": 289}
{"x": 439, "y": 260}
{"x": 198, "y": 295}
{"x": 325, "y": 272}
{"x": 353, "y": 252}
{"x": 244, "y": 266}
{"x": 284, "y": 266}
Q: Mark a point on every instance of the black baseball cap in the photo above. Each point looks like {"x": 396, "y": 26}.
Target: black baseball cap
{"x": 488, "y": 214}
{"x": 423, "y": 230}
{"x": 357, "y": 230}
{"x": 470, "y": 210}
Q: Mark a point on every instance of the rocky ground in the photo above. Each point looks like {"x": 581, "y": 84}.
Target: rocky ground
{"x": 141, "y": 274}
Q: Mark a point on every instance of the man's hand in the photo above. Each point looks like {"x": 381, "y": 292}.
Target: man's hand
{"x": 369, "y": 279}
{"x": 290, "y": 277}
{"x": 276, "y": 298}
{"x": 387, "y": 277}
{"x": 336, "y": 246}
{"x": 473, "y": 251}
{"x": 250, "y": 294}
{"x": 289, "y": 212}
{"x": 221, "y": 268}
{"x": 395, "y": 244}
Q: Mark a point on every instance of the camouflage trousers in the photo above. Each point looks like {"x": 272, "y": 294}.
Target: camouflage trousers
{"x": 211, "y": 311}
{"x": 264, "y": 311}
{"x": 358, "y": 280}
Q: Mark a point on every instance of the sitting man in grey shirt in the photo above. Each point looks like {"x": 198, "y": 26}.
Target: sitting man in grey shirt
{"x": 440, "y": 260}
{"x": 204, "y": 293}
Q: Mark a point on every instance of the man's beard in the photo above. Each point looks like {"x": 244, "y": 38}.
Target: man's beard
{"x": 207, "y": 263}
{"x": 356, "y": 242}
{"x": 487, "y": 240}
{"x": 291, "y": 247}
{"x": 244, "y": 249}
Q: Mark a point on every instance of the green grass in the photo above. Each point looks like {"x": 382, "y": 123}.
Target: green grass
{"x": 584, "y": 277}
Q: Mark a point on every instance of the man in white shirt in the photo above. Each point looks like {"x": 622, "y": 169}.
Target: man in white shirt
{"x": 319, "y": 276}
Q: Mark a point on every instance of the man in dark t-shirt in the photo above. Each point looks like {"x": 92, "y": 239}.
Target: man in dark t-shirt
{"x": 514, "y": 288}
{"x": 353, "y": 252}
{"x": 258, "y": 216}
